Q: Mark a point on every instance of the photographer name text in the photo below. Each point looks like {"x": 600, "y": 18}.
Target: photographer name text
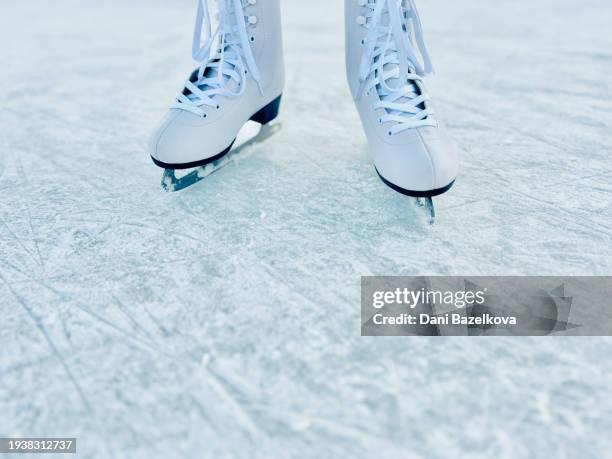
{"x": 453, "y": 318}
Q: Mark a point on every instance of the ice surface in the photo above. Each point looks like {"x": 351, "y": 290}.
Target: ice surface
{"x": 224, "y": 321}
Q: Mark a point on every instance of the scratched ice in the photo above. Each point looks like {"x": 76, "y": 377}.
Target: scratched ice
{"x": 223, "y": 321}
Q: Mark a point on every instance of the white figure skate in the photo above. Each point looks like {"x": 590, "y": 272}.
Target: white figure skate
{"x": 408, "y": 144}
{"x": 240, "y": 78}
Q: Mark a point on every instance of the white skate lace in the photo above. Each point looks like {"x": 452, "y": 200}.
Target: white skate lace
{"x": 230, "y": 60}
{"x": 390, "y": 54}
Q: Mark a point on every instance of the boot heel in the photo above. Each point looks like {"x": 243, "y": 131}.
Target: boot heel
{"x": 268, "y": 113}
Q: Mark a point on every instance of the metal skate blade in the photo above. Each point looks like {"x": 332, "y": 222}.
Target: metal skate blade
{"x": 250, "y": 135}
{"x": 428, "y": 207}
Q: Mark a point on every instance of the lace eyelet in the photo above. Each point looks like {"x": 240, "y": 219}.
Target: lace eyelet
{"x": 389, "y": 133}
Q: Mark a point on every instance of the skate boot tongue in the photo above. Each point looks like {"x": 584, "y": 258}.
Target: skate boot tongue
{"x": 409, "y": 88}
{"x": 393, "y": 84}
{"x": 394, "y": 60}
{"x": 216, "y": 77}
{"x": 225, "y": 59}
